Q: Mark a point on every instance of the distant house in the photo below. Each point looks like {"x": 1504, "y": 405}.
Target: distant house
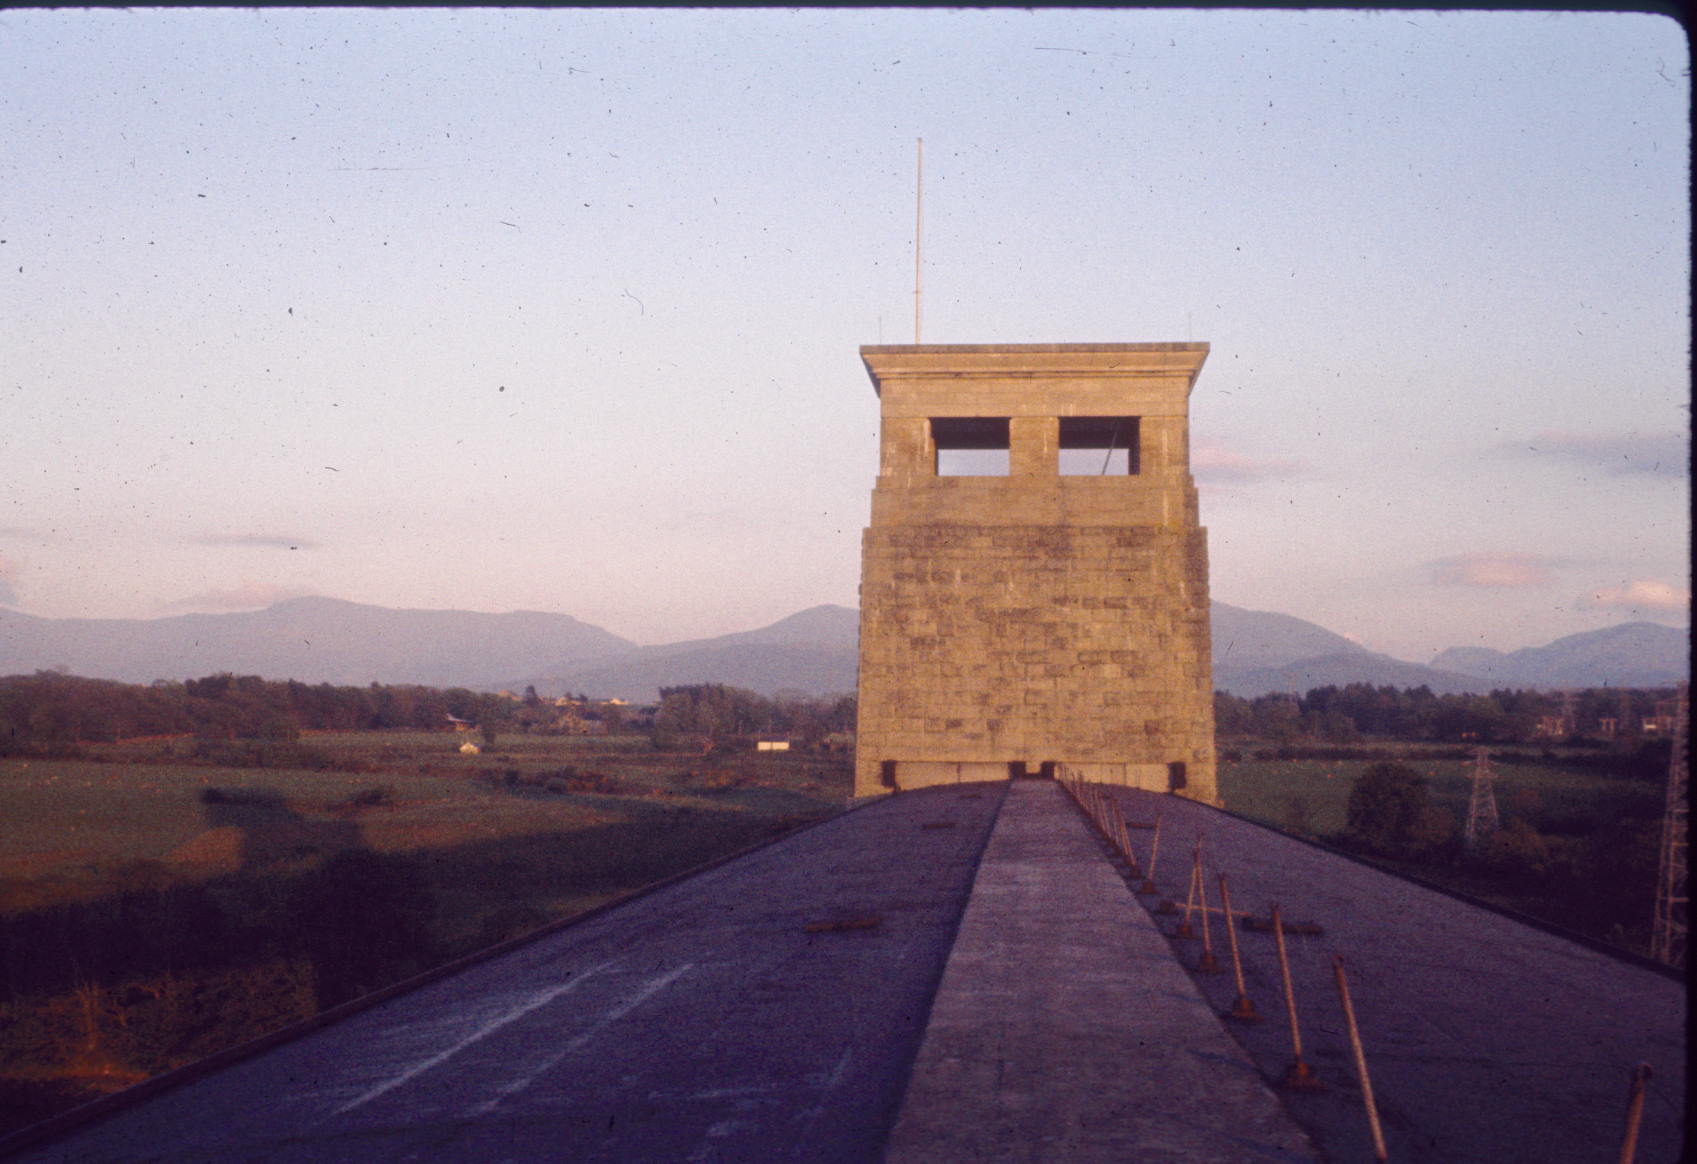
{"x": 470, "y": 748}
{"x": 772, "y": 745}
{"x": 461, "y": 725}
{"x": 838, "y": 742}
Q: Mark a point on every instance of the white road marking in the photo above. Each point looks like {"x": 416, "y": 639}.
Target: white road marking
{"x": 541, "y": 998}
{"x": 648, "y": 990}
{"x": 718, "y": 1131}
{"x": 810, "y": 1118}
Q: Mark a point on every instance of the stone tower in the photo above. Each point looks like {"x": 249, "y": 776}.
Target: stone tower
{"x": 1034, "y": 583}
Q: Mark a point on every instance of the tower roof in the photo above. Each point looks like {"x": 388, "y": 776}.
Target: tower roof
{"x": 1163, "y": 361}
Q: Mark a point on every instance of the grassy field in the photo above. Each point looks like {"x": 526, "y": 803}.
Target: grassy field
{"x": 1578, "y": 847}
{"x": 79, "y": 828}
{"x": 156, "y": 904}
{"x": 1548, "y": 795}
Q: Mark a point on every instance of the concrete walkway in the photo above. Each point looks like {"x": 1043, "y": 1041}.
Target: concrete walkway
{"x": 1064, "y": 1028}
{"x": 1487, "y": 1039}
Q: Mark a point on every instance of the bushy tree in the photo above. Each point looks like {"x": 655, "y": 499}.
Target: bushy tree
{"x": 1387, "y": 808}
{"x": 1518, "y": 852}
{"x": 1232, "y": 715}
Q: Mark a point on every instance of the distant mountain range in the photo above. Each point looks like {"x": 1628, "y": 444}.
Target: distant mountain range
{"x": 1634, "y": 654}
{"x": 314, "y": 640}
{"x": 816, "y": 652}
{"x": 1256, "y": 652}
{"x": 324, "y": 640}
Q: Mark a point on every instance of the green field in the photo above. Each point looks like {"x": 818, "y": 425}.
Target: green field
{"x": 1549, "y": 795}
{"x": 1578, "y": 846}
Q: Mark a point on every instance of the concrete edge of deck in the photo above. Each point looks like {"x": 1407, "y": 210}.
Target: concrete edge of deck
{"x": 44, "y": 1131}
{"x": 1065, "y": 1027}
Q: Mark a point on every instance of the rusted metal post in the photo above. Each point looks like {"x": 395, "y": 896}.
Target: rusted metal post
{"x": 1125, "y": 843}
{"x": 1360, "y": 1062}
{"x": 1299, "y": 1075}
{"x": 1184, "y": 930}
{"x": 1190, "y": 896}
{"x": 1207, "y": 963}
{"x": 1634, "y": 1112}
{"x": 1243, "y": 1008}
{"x": 1154, "y": 852}
{"x": 1122, "y": 838}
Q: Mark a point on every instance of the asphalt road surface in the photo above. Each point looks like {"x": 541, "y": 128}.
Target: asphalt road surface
{"x": 703, "y": 1022}
{"x": 1487, "y": 1040}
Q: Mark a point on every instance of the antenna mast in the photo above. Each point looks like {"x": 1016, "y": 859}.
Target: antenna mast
{"x": 918, "y": 223}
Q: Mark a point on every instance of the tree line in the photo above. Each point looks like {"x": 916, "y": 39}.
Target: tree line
{"x": 48, "y": 710}
{"x": 712, "y": 715}
{"x": 1360, "y": 711}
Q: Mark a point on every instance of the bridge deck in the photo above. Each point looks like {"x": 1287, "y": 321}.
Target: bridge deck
{"x": 706, "y": 1022}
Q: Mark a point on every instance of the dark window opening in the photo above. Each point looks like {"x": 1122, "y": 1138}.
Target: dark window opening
{"x": 971, "y": 446}
{"x": 887, "y": 773}
{"x": 1175, "y": 775}
{"x": 1100, "y": 446}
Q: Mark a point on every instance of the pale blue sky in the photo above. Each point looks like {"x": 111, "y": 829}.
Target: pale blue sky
{"x": 560, "y": 310}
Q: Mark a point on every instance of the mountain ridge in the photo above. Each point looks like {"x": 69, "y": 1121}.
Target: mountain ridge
{"x": 313, "y": 640}
{"x": 1631, "y": 654}
{"x": 812, "y": 652}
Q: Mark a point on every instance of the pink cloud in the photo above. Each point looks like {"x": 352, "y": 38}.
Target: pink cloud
{"x": 1645, "y": 593}
{"x": 247, "y": 596}
{"x": 1494, "y": 570}
{"x": 1211, "y": 462}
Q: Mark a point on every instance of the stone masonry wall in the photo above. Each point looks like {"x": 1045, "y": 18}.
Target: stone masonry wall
{"x": 1083, "y": 646}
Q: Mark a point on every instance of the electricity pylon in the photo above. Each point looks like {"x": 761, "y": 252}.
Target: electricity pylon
{"x": 1482, "y": 809}
{"x": 1667, "y": 937}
